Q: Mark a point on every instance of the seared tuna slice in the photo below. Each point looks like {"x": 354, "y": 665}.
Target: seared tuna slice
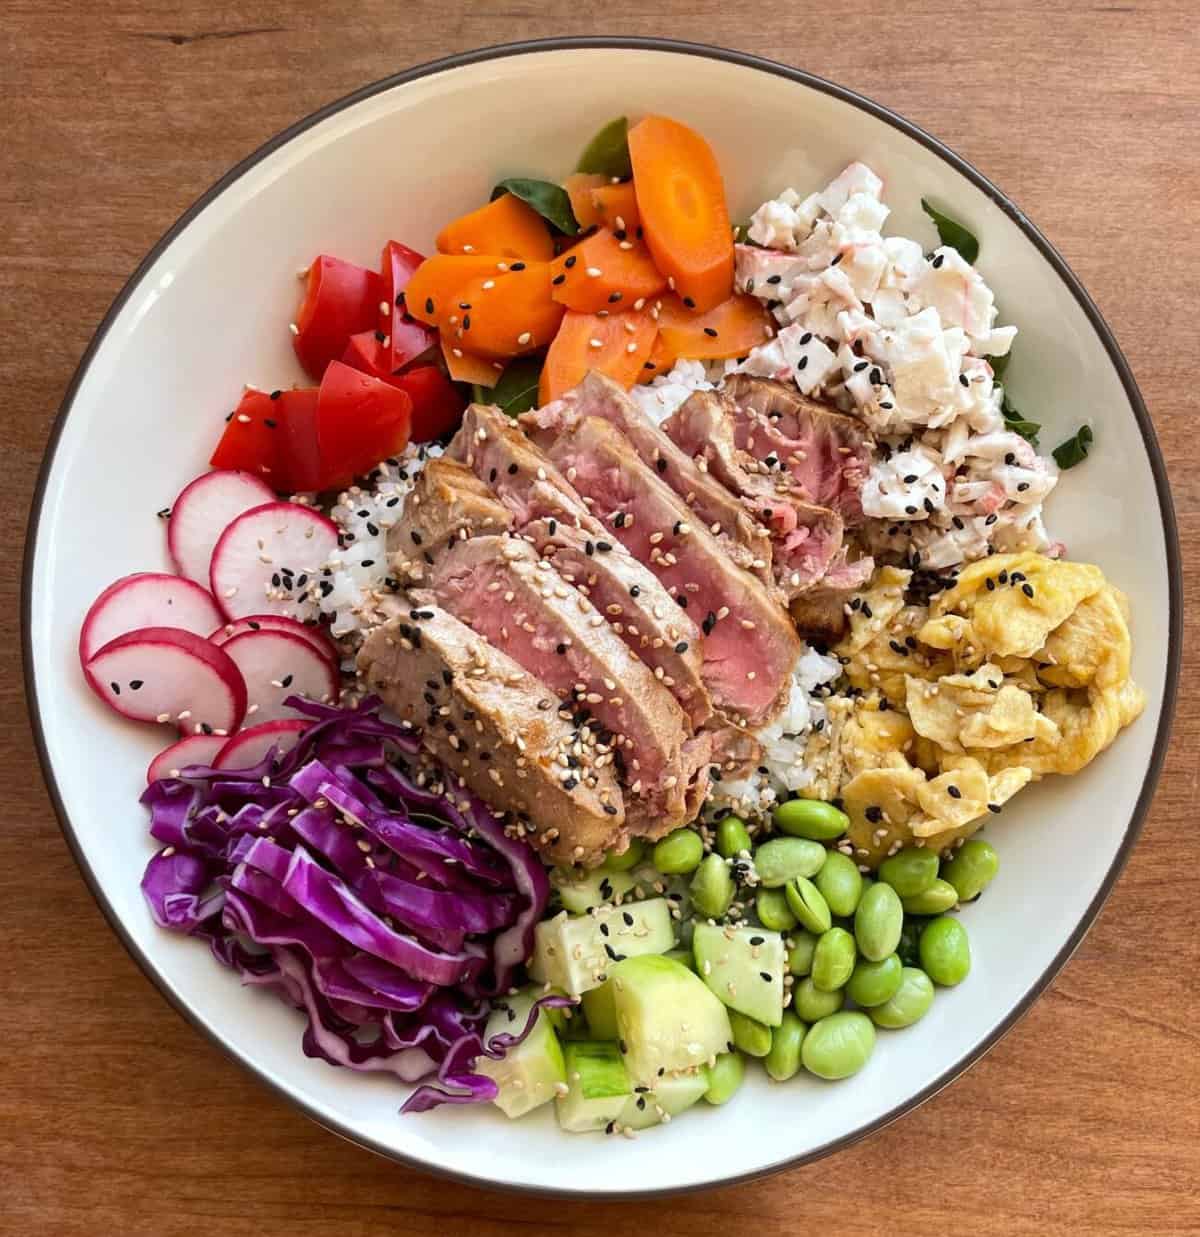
{"x": 636, "y": 604}
{"x": 490, "y": 722}
{"x": 506, "y": 593}
{"x": 750, "y": 648}
{"x": 826, "y": 452}
{"x": 598, "y": 396}
{"x": 449, "y": 501}
{"x": 805, "y": 537}
{"x": 820, "y": 613}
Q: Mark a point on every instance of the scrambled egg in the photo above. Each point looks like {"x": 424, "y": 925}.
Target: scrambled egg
{"x": 1020, "y": 670}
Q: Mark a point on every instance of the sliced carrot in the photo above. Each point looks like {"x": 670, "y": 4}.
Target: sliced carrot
{"x": 464, "y": 366}
{"x": 599, "y": 273}
{"x": 617, "y": 345}
{"x": 681, "y": 198}
{"x": 505, "y": 314}
{"x": 660, "y": 361}
{"x": 435, "y": 283}
{"x": 579, "y": 186}
{"x": 616, "y": 207}
{"x": 506, "y": 226}
{"x": 731, "y": 329}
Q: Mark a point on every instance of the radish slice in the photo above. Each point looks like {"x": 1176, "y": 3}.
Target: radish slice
{"x": 249, "y": 746}
{"x": 196, "y": 749}
{"x": 164, "y": 674}
{"x": 278, "y": 622}
{"x": 146, "y": 599}
{"x": 276, "y": 665}
{"x": 202, "y": 512}
{"x": 268, "y": 561}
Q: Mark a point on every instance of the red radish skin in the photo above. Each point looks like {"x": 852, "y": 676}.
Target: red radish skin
{"x": 196, "y": 749}
{"x": 146, "y": 599}
{"x": 169, "y": 676}
{"x": 203, "y": 511}
{"x": 279, "y": 622}
{"x": 249, "y": 746}
{"x": 274, "y": 542}
{"x": 276, "y": 665}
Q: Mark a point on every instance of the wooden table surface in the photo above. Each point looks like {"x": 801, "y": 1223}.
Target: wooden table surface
{"x": 115, "y": 1116}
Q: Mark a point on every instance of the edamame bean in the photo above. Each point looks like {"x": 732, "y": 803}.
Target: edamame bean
{"x": 833, "y": 960}
{"x": 972, "y": 868}
{"x": 770, "y": 905}
{"x": 874, "y": 983}
{"x": 910, "y": 871}
{"x": 678, "y": 853}
{"x": 750, "y": 1036}
{"x": 787, "y": 1039}
{"x": 732, "y": 837}
{"x": 811, "y": 1004}
{"x": 839, "y": 1045}
{"x": 783, "y": 859}
{"x": 724, "y": 1077}
{"x": 908, "y": 950}
{"x": 628, "y": 858}
{"x": 945, "y": 951}
{"x": 840, "y": 883}
{"x": 878, "y": 922}
{"x": 807, "y": 905}
{"x": 712, "y": 888}
{"x": 910, "y": 1004}
{"x": 939, "y": 897}
{"x": 800, "y": 953}
{"x": 810, "y": 818}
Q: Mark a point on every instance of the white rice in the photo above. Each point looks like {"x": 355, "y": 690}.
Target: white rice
{"x": 660, "y": 398}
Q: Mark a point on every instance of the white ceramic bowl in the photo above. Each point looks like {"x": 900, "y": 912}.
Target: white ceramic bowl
{"x": 208, "y": 310}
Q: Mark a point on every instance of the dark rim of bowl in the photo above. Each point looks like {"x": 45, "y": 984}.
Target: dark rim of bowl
{"x": 960, "y": 165}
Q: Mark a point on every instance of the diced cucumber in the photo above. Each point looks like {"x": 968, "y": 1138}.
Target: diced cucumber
{"x": 575, "y": 953}
{"x": 683, "y": 957}
{"x": 743, "y": 967}
{"x": 669, "y": 1097}
{"x": 601, "y": 1012}
{"x": 598, "y": 1087}
{"x": 580, "y": 891}
{"x": 531, "y": 1073}
{"x": 667, "y": 1020}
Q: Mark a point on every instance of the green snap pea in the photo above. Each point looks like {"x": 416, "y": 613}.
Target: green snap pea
{"x": 910, "y": 1004}
{"x": 908, "y": 950}
{"x": 878, "y": 922}
{"x": 811, "y": 1004}
{"x": 800, "y": 953}
{"x": 724, "y": 1077}
{"x": 939, "y": 897}
{"x": 712, "y": 887}
{"x": 972, "y": 868}
{"x": 807, "y": 904}
{"x": 840, "y": 883}
{"x": 628, "y": 858}
{"x": 810, "y": 818}
{"x": 787, "y": 1039}
{"x": 910, "y": 871}
{"x": 783, "y": 859}
{"x": 771, "y": 907}
{"x": 873, "y": 983}
{"x": 732, "y": 837}
{"x": 750, "y": 1036}
{"x": 839, "y": 1045}
{"x": 945, "y": 951}
{"x": 833, "y": 960}
{"x": 678, "y": 853}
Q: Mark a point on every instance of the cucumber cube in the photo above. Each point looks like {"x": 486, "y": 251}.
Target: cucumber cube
{"x": 533, "y": 1071}
{"x": 598, "y": 1087}
{"x": 743, "y": 967}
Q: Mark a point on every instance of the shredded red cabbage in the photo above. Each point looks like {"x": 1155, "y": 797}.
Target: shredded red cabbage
{"x": 388, "y": 913}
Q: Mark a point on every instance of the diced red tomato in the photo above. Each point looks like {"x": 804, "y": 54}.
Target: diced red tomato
{"x": 360, "y": 421}
{"x": 299, "y": 459}
{"x": 340, "y": 300}
{"x": 437, "y": 404}
{"x": 408, "y": 337}
{"x": 366, "y": 353}
{"x": 250, "y": 442}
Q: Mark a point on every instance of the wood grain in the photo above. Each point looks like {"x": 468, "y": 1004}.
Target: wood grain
{"x": 115, "y": 1117}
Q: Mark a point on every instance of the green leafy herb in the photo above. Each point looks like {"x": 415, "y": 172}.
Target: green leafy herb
{"x": 1015, "y": 422}
{"x": 1075, "y": 449}
{"x": 999, "y": 364}
{"x": 517, "y": 390}
{"x": 607, "y": 154}
{"x": 550, "y": 201}
{"x": 952, "y": 233}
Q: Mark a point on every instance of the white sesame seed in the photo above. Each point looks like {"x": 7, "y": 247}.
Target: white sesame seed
{"x": 594, "y": 272}
{"x": 295, "y": 330}
{"x": 524, "y": 338}
{"x": 631, "y": 347}
{"x": 596, "y": 343}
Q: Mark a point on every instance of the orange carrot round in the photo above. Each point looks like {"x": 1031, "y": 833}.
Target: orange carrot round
{"x": 617, "y": 345}
{"x": 465, "y": 366}
{"x": 602, "y": 272}
{"x": 579, "y": 186}
{"x": 503, "y": 315}
{"x": 435, "y": 284}
{"x": 730, "y": 330}
{"x": 616, "y": 207}
{"x": 506, "y": 226}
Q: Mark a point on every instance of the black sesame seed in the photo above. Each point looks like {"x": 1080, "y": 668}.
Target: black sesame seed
{"x": 635, "y": 590}
{"x": 559, "y": 279}
{"x": 954, "y": 792}
{"x": 687, "y": 300}
{"x": 1027, "y": 589}
{"x": 858, "y": 369}
{"x": 938, "y": 260}
{"x": 429, "y": 304}
{"x": 990, "y": 584}
{"x": 994, "y": 808}
{"x": 660, "y": 464}
{"x": 116, "y": 687}
{"x": 682, "y": 600}
{"x": 802, "y": 363}
{"x": 774, "y": 279}
{"x": 570, "y": 262}
{"x": 560, "y": 649}
{"x": 710, "y": 621}
{"x": 416, "y": 537}
{"x": 614, "y": 297}
{"x": 874, "y": 813}
{"x": 610, "y": 810}
{"x": 681, "y": 647}
{"x": 991, "y": 518}
{"x": 512, "y": 470}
